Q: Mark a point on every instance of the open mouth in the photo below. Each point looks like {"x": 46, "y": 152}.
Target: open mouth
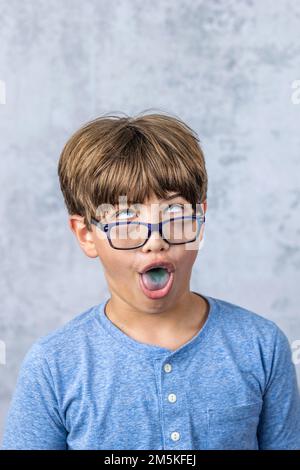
{"x": 156, "y": 282}
{"x": 155, "y": 278}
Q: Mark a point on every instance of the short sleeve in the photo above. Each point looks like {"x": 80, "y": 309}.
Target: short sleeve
{"x": 279, "y": 425}
{"x": 33, "y": 421}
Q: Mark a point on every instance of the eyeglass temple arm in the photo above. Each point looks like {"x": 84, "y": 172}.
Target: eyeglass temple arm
{"x": 101, "y": 225}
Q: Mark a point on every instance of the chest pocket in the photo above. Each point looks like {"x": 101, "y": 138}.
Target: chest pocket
{"x": 233, "y": 427}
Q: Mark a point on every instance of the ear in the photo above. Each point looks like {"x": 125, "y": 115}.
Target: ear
{"x": 85, "y": 238}
{"x": 204, "y": 205}
{"x": 201, "y": 235}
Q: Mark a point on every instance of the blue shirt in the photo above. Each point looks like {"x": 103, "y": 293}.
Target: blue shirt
{"x": 88, "y": 385}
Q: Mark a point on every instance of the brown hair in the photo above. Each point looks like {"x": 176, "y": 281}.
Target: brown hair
{"x": 135, "y": 156}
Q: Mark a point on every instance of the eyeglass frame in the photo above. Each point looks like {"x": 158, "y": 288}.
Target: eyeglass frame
{"x": 156, "y": 227}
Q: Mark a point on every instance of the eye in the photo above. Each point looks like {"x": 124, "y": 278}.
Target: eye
{"x": 179, "y": 206}
{"x": 125, "y": 211}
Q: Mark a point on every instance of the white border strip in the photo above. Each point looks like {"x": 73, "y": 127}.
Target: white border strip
{"x": 2, "y": 92}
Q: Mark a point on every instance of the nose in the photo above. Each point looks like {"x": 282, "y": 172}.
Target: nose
{"x": 155, "y": 242}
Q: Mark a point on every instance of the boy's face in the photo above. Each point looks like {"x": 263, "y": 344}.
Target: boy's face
{"x": 122, "y": 267}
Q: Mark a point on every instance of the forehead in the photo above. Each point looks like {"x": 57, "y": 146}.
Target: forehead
{"x": 153, "y": 203}
{"x": 172, "y": 195}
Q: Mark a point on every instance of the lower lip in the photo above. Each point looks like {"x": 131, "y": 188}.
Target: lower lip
{"x": 157, "y": 294}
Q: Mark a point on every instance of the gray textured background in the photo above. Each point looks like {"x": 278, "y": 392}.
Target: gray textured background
{"x": 226, "y": 68}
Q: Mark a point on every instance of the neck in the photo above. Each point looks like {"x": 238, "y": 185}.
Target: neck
{"x": 169, "y": 328}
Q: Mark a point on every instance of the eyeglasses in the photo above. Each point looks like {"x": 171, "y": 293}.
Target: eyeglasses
{"x": 130, "y": 234}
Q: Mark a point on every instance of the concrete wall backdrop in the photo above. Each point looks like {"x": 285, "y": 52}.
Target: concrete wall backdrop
{"x": 225, "y": 67}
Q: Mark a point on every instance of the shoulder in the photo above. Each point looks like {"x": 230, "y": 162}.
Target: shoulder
{"x": 66, "y": 341}
{"x": 251, "y": 329}
{"x": 245, "y": 320}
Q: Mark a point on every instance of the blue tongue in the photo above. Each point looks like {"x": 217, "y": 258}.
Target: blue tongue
{"x": 156, "y": 278}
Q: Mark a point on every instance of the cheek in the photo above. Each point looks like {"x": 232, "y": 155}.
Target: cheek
{"x": 187, "y": 262}
{"x": 116, "y": 264}
{"x": 184, "y": 259}
{"x": 113, "y": 261}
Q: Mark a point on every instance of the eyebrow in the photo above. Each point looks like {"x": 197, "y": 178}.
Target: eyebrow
{"x": 168, "y": 198}
{"x": 172, "y": 197}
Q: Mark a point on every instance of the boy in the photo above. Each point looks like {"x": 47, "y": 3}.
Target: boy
{"x": 155, "y": 366}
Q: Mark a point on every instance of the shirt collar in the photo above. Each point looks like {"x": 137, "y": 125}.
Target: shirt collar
{"x": 153, "y": 350}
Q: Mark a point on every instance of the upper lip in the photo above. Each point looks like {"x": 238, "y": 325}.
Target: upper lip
{"x": 163, "y": 264}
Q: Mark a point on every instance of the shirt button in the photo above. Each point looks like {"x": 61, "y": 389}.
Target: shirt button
{"x": 172, "y": 397}
{"x": 167, "y": 367}
{"x": 175, "y": 436}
